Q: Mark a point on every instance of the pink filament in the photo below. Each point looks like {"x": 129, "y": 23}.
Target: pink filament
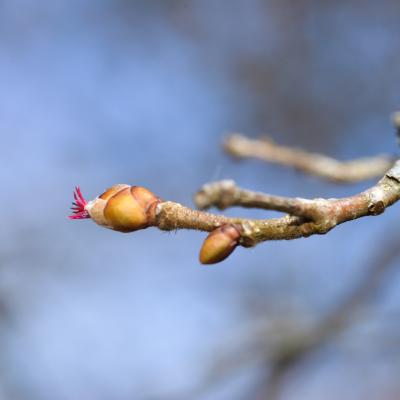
{"x": 78, "y": 206}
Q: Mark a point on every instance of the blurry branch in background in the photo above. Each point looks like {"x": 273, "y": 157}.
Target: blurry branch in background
{"x": 265, "y": 149}
{"x": 294, "y": 349}
{"x": 396, "y": 123}
{"x": 280, "y": 346}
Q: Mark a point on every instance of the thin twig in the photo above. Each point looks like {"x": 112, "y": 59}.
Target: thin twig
{"x": 225, "y": 194}
{"x": 311, "y": 217}
{"x": 129, "y": 208}
{"x": 315, "y": 164}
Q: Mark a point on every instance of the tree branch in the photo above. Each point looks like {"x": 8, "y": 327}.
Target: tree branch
{"x": 309, "y": 217}
{"x": 224, "y": 194}
{"x": 127, "y": 208}
{"x": 328, "y": 168}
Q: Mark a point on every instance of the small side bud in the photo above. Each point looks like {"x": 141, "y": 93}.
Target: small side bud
{"x": 219, "y": 244}
{"x": 124, "y": 208}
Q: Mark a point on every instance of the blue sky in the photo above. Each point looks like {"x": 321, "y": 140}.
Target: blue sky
{"x": 99, "y": 93}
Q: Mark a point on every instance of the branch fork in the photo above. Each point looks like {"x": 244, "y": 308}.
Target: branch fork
{"x": 127, "y": 208}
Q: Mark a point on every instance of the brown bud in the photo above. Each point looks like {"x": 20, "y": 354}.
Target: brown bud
{"x": 124, "y": 208}
{"x": 219, "y": 244}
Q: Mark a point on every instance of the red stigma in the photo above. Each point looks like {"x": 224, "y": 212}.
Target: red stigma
{"x": 78, "y": 206}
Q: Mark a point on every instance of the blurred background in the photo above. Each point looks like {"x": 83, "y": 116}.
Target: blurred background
{"x": 95, "y": 93}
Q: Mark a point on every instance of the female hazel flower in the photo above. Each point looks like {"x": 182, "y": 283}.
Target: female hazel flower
{"x": 127, "y": 208}
{"x": 78, "y": 206}
{"x": 122, "y": 208}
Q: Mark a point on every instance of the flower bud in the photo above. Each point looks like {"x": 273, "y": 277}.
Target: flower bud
{"x": 124, "y": 208}
{"x": 219, "y": 244}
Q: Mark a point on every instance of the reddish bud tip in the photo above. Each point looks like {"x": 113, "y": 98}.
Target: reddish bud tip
{"x": 78, "y": 206}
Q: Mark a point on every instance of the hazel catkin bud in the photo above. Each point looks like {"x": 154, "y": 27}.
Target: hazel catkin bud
{"x": 219, "y": 244}
{"x": 124, "y": 208}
